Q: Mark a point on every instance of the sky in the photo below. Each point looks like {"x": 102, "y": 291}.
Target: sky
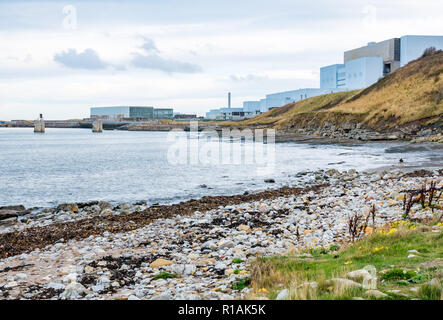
{"x": 61, "y": 58}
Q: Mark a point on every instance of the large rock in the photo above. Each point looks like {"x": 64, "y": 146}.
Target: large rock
{"x": 104, "y": 205}
{"x": 283, "y": 295}
{"x": 223, "y": 244}
{"x": 8, "y": 222}
{"x": 209, "y": 245}
{"x": 205, "y": 261}
{"x": 74, "y": 290}
{"x": 13, "y": 208}
{"x": 244, "y": 227}
{"x": 161, "y": 263}
{"x": 376, "y": 294}
{"x": 358, "y": 275}
{"x": 345, "y": 283}
{"x": 68, "y": 207}
{"x": 220, "y": 266}
{"x": 184, "y": 269}
{"x": 5, "y": 214}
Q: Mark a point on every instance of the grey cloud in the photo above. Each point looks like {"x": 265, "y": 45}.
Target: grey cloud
{"x": 87, "y": 59}
{"x": 151, "y": 59}
{"x": 149, "y": 45}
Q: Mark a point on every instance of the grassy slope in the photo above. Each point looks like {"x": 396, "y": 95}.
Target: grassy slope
{"x": 414, "y": 92}
{"x": 383, "y": 251}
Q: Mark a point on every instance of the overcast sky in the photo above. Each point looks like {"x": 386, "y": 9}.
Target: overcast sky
{"x": 61, "y": 58}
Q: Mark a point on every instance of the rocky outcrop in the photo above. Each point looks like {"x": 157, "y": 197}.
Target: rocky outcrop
{"x": 353, "y": 127}
{"x": 8, "y": 214}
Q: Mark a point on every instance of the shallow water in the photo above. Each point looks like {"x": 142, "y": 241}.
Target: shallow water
{"x": 71, "y": 165}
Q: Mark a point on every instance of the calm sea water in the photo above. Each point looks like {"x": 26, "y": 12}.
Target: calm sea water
{"x": 68, "y": 165}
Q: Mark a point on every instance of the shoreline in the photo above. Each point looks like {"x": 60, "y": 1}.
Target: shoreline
{"x": 280, "y": 137}
{"x": 197, "y": 249}
{"x": 28, "y": 239}
{"x": 431, "y": 165}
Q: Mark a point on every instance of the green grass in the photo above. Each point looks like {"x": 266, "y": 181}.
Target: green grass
{"x": 428, "y": 292}
{"x": 242, "y": 283}
{"x": 164, "y": 276}
{"x": 398, "y": 274}
{"x": 387, "y": 253}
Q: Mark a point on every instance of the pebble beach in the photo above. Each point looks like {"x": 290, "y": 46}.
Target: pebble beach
{"x": 198, "y": 249}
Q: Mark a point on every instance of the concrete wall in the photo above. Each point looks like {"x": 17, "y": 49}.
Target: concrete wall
{"x": 384, "y": 49}
{"x": 412, "y": 47}
{"x": 363, "y": 72}
{"x": 251, "y": 106}
{"x": 263, "y": 105}
{"x": 280, "y": 99}
{"x": 332, "y": 77}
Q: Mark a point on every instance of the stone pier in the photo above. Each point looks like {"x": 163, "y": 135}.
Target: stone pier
{"x": 39, "y": 125}
{"x": 97, "y": 126}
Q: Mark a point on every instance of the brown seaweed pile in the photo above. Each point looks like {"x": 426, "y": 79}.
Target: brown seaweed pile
{"x": 15, "y": 243}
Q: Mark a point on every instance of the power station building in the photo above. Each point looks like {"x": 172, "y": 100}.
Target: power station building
{"x": 364, "y": 66}
{"x": 163, "y": 113}
{"x": 275, "y": 100}
{"x": 361, "y": 68}
{"x": 120, "y": 113}
{"x": 250, "y": 109}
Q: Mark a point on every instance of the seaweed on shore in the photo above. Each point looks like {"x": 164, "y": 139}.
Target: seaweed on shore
{"x": 29, "y": 239}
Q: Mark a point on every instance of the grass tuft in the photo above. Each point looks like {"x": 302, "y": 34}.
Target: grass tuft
{"x": 306, "y": 276}
{"x": 164, "y": 276}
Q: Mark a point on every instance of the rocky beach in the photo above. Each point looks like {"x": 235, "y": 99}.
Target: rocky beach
{"x": 197, "y": 249}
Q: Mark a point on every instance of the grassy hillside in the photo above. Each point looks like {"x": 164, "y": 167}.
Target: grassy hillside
{"x": 412, "y": 93}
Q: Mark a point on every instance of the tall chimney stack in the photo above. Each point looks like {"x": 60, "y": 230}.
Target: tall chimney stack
{"x": 229, "y": 100}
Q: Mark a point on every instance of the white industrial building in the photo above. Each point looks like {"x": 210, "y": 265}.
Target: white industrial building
{"x": 251, "y": 106}
{"x": 412, "y": 47}
{"x": 118, "y": 113}
{"x": 275, "y": 100}
{"x": 364, "y": 66}
{"x": 361, "y": 68}
{"x": 355, "y": 74}
{"x": 250, "y": 109}
{"x": 230, "y": 114}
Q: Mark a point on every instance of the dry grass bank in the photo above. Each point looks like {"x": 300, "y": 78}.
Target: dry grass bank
{"x": 410, "y": 94}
